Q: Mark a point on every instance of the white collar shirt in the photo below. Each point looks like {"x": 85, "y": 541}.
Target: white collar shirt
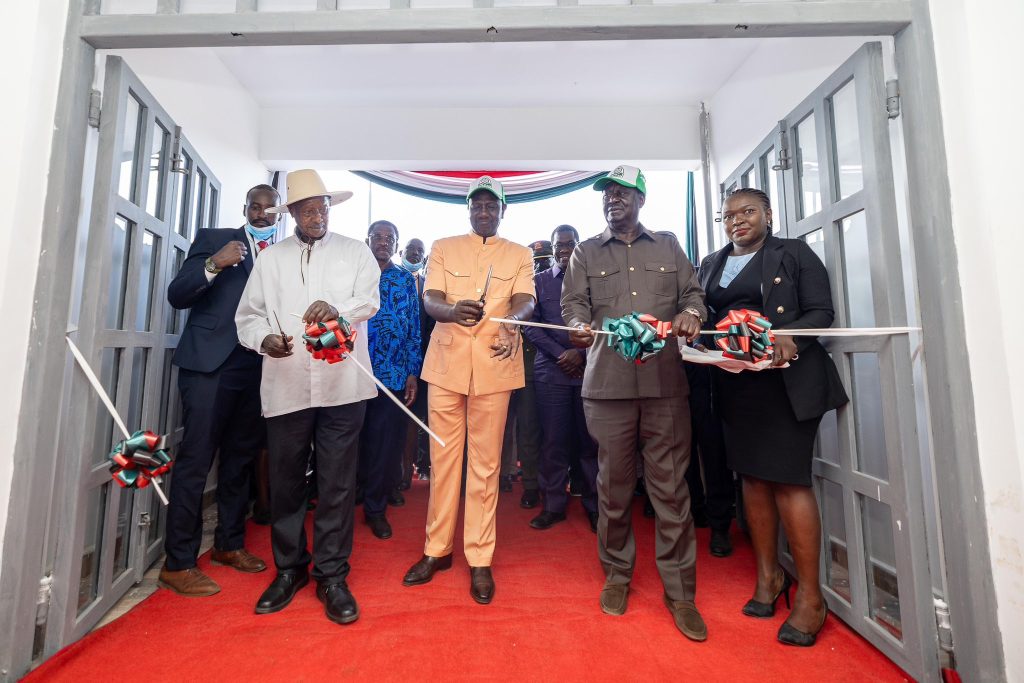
{"x": 340, "y": 271}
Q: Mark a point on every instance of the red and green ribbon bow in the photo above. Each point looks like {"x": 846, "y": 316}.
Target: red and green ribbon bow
{"x": 637, "y": 337}
{"x": 745, "y": 335}
{"x": 139, "y": 459}
{"x": 330, "y": 340}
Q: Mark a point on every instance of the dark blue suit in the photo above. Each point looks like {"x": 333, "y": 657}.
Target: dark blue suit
{"x": 219, "y": 382}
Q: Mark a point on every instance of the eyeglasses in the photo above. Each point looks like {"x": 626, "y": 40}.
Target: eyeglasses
{"x": 731, "y": 218}
{"x": 386, "y": 239}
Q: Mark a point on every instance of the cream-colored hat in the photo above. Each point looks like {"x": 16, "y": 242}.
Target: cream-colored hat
{"x": 306, "y": 183}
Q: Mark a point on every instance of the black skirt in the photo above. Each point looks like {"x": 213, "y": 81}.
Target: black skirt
{"x": 763, "y": 438}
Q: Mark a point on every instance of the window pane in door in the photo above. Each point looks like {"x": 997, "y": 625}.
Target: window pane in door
{"x": 122, "y": 533}
{"x": 880, "y": 556}
{"x": 185, "y": 184}
{"x": 828, "y": 438}
{"x": 860, "y": 303}
{"x": 120, "y": 243}
{"x": 157, "y": 171}
{"x": 136, "y": 392}
{"x": 816, "y": 241}
{"x": 808, "y": 181}
{"x": 837, "y": 561}
{"x": 772, "y": 189}
{"x": 110, "y": 370}
{"x": 173, "y": 317}
{"x": 849, "y": 168}
{"x": 871, "y": 457}
{"x": 212, "y": 211}
{"x": 148, "y": 267}
{"x": 168, "y": 391}
{"x": 198, "y": 201}
{"x": 92, "y": 543}
{"x": 749, "y": 178}
{"x": 129, "y": 149}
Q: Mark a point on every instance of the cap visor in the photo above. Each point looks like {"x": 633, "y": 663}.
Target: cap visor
{"x": 602, "y": 183}
{"x": 484, "y": 189}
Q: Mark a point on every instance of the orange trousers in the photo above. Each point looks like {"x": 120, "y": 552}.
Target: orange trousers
{"x": 455, "y": 418}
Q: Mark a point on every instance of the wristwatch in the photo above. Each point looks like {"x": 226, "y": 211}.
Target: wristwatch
{"x": 211, "y": 267}
{"x": 695, "y": 313}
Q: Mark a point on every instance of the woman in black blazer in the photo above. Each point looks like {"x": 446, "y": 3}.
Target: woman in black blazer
{"x": 770, "y": 418}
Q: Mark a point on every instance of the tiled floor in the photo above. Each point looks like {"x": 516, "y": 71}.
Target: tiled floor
{"x": 148, "y": 585}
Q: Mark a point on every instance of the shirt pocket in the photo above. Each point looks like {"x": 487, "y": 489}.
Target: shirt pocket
{"x": 605, "y": 284}
{"x": 439, "y": 353}
{"x": 661, "y": 278}
{"x": 456, "y": 283}
{"x": 501, "y": 285}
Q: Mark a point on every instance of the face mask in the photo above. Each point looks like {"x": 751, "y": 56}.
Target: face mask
{"x": 411, "y": 267}
{"x": 263, "y": 234}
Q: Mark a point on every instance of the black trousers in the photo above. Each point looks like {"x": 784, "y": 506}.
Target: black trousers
{"x": 563, "y": 425}
{"x": 716, "y": 493}
{"x": 334, "y": 430}
{"x": 380, "y": 453}
{"x": 221, "y": 412}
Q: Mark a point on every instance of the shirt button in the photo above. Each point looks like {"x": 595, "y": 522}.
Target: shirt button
{"x": 634, "y": 293}
{"x": 629, "y": 246}
{"x": 662, "y": 269}
{"x": 602, "y": 272}
{"x": 456, "y": 272}
{"x": 778, "y": 280}
{"x": 780, "y": 309}
{"x": 631, "y": 268}
{"x": 478, "y": 290}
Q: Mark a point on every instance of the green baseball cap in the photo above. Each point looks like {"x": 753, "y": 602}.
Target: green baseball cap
{"x": 488, "y": 184}
{"x": 627, "y": 176}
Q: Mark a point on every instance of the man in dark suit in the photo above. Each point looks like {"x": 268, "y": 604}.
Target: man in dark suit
{"x": 219, "y": 382}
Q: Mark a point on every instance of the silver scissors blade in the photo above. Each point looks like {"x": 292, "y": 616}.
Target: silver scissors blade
{"x": 279, "y": 328}
{"x": 487, "y": 283}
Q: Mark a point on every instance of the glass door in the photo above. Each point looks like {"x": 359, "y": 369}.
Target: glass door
{"x": 834, "y": 167}
{"x": 151, "y": 191}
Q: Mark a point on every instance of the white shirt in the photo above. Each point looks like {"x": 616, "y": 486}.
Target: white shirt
{"x": 340, "y": 271}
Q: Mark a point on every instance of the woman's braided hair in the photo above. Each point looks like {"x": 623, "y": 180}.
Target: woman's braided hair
{"x": 766, "y": 202}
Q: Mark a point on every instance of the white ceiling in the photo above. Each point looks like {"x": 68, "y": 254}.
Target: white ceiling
{"x": 645, "y": 72}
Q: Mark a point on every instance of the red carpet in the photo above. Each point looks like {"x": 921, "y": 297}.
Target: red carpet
{"x": 544, "y": 624}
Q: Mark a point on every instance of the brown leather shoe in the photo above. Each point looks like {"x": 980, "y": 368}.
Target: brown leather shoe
{"x": 424, "y": 570}
{"x": 688, "y": 619}
{"x": 481, "y": 584}
{"x": 614, "y": 598}
{"x": 240, "y": 559}
{"x": 190, "y": 582}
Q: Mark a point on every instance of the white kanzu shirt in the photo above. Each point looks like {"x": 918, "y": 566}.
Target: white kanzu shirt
{"x": 340, "y": 271}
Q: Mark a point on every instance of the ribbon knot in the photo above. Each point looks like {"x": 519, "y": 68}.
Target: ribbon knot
{"x": 330, "y": 340}
{"x": 745, "y": 335}
{"x": 139, "y": 459}
{"x": 637, "y": 337}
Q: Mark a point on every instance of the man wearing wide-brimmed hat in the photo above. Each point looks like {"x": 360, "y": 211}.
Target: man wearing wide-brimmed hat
{"x": 319, "y": 276}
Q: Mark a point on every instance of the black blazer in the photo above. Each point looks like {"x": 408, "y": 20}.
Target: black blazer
{"x": 795, "y": 292}
{"x": 210, "y": 334}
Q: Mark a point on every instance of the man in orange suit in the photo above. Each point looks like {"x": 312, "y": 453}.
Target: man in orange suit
{"x": 471, "y": 367}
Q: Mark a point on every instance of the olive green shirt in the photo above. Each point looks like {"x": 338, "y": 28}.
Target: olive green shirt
{"x": 608, "y": 278}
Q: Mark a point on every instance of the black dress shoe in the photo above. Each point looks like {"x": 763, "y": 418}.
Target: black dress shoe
{"x": 281, "y": 591}
{"x": 530, "y": 499}
{"x": 395, "y": 498}
{"x": 424, "y": 570}
{"x": 481, "y": 584}
{"x": 506, "y": 483}
{"x": 766, "y": 610}
{"x": 593, "y": 517}
{"x": 339, "y": 605}
{"x": 379, "y": 526}
{"x": 789, "y": 635}
{"x": 720, "y": 545}
{"x": 546, "y": 520}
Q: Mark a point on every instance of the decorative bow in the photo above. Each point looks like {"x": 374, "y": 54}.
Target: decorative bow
{"x": 745, "y": 335}
{"x": 138, "y": 460}
{"x": 330, "y": 340}
{"x": 637, "y": 337}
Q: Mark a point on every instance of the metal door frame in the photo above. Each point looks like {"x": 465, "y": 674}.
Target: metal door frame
{"x": 917, "y": 652}
{"x": 39, "y": 481}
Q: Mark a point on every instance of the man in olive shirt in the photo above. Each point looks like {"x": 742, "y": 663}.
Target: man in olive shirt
{"x": 638, "y": 408}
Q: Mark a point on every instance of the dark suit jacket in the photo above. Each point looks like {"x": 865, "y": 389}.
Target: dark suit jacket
{"x": 210, "y": 334}
{"x": 795, "y": 292}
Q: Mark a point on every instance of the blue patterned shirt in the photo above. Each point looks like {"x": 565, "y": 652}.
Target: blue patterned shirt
{"x": 394, "y": 332}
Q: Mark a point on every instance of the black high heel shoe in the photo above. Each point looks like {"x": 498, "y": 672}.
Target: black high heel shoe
{"x": 765, "y": 610}
{"x": 788, "y": 635}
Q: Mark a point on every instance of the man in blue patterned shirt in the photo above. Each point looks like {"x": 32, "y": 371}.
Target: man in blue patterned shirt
{"x": 393, "y": 336}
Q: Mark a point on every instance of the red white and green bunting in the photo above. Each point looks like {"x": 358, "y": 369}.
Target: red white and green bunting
{"x": 451, "y": 186}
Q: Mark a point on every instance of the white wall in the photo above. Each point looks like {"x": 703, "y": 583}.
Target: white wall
{"x": 979, "y": 57}
{"x": 404, "y": 138}
{"x": 190, "y": 84}
{"x": 30, "y": 80}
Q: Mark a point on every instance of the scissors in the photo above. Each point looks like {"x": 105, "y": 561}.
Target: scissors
{"x": 487, "y": 284}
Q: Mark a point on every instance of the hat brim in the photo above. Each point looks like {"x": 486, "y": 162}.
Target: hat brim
{"x": 336, "y": 198}
{"x": 602, "y": 183}
{"x": 485, "y": 189}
